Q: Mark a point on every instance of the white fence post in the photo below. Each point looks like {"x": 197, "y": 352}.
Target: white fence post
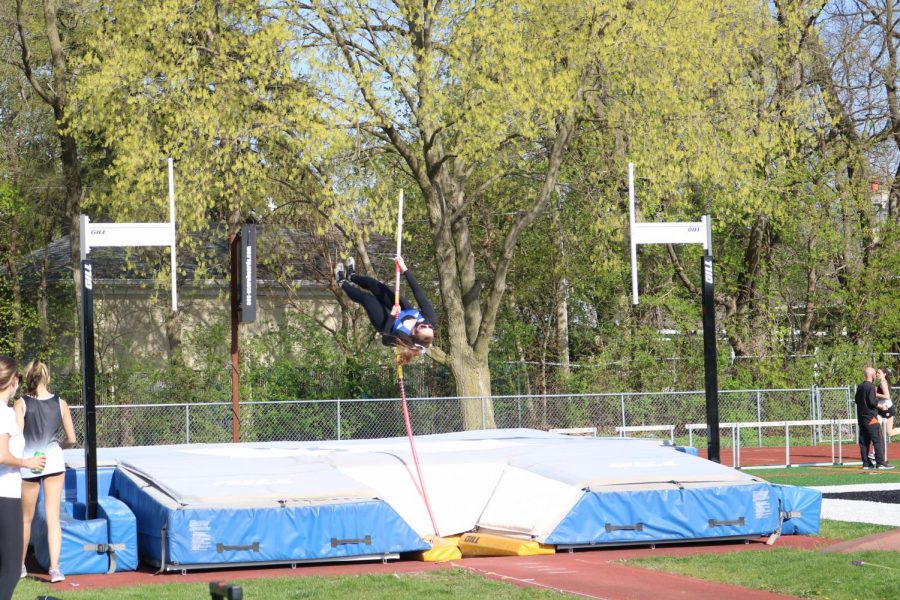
{"x": 787, "y": 445}
{"x": 759, "y": 416}
{"x": 338, "y": 419}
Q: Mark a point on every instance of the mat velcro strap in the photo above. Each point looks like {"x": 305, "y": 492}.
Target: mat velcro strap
{"x": 721, "y": 523}
{"x": 335, "y": 542}
{"x": 109, "y": 549}
{"x": 635, "y": 527}
{"x": 791, "y": 514}
{"x": 103, "y": 548}
{"x": 220, "y": 548}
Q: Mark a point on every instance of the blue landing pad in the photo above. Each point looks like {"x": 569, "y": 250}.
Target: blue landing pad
{"x": 182, "y": 537}
{"x": 208, "y": 505}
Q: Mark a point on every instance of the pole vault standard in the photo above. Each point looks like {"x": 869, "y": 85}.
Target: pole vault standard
{"x": 686, "y": 233}
{"x": 95, "y": 235}
{"x": 409, "y": 432}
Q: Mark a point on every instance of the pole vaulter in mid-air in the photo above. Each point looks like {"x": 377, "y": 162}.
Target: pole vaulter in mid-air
{"x": 408, "y": 329}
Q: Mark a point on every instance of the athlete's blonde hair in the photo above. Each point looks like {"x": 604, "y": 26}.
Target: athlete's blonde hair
{"x": 8, "y": 370}
{"x": 36, "y": 373}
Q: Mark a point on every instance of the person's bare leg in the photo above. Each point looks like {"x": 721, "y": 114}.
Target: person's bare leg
{"x": 30, "y": 491}
{"x": 53, "y": 486}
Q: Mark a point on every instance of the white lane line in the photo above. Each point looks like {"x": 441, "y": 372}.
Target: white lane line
{"x": 534, "y": 583}
{"x": 860, "y": 511}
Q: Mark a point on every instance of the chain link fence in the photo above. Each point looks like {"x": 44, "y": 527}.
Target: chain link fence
{"x": 366, "y": 418}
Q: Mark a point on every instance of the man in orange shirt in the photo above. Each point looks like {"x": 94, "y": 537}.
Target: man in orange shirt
{"x": 867, "y": 419}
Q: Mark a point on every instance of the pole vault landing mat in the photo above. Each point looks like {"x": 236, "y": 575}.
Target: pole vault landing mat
{"x": 207, "y": 505}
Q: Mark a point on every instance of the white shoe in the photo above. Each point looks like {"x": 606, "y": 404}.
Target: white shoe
{"x": 351, "y": 266}
{"x": 56, "y": 576}
{"x": 24, "y": 573}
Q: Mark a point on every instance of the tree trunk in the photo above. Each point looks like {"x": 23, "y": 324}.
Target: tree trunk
{"x": 42, "y": 302}
{"x": 173, "y": 337}
{"x": 561, "y": 296}
{"x": 473, "y": 382}
{"x": 812, "y": 281}
{"x": 15, "y": 289}
{"x": 72, "y": 178}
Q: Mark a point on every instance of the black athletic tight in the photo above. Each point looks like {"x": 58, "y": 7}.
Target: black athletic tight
{"x": 377, "y": 300}
{"x": 10, "y": 545}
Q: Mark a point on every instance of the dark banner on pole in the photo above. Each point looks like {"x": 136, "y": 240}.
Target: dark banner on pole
{"x": 247, "y": 268}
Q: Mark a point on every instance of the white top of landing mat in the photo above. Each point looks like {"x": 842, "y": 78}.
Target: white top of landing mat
{"x": 517, "y": 480}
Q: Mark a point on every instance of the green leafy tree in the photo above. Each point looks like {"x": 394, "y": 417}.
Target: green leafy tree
{"x": 475, "y": 106}
{"x": 482, "y": 102}
{"x": 39, "y": 45}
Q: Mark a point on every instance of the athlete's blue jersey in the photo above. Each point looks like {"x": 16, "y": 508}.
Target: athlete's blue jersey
{"x": 400, "y": 326}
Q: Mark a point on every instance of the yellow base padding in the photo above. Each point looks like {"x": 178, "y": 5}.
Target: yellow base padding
{"x": 487, "y": 544}
{"x": 442, "y": 549}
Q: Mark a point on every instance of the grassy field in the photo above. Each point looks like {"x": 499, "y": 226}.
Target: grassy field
{"x": 842, "y": 530}
{"x": 829, "y": 475}
{"x": 442, "y": 583}
{"x": 803, "y": 573}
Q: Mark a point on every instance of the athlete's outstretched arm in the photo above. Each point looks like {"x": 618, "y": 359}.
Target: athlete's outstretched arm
{"x": 424, "y": 305}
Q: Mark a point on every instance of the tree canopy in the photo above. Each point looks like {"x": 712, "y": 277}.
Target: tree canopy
{"x": 509, "y": 126}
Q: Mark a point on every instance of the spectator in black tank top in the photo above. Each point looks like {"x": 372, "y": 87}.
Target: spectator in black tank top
{"x": 42, "y": 415}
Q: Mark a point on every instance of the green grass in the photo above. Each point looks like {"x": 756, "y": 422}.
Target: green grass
{"x": 829, "y": 475}
{"x": 842, "y": 530}
{"x": 803, "y": 573}
{"x": 440, "y": 583}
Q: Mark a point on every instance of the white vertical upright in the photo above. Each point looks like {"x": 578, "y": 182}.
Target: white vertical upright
{"x": 634, "y": 274}
{"x": 661, "y": 233}
{"x": 686, "y": 233}
{"x": 96, "y": 235}
{"x": 172, "y": 223}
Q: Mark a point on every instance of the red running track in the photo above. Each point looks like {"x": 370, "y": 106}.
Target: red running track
{"x": 589, "y": 573}
{"x": 799, "y": 455}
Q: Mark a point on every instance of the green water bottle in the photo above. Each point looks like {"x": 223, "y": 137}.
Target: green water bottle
{"x": 38, "y": 471}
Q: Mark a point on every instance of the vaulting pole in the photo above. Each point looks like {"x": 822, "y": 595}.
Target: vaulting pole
{"x": 399, "y": 246}
{"x": 409, "y": 432}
